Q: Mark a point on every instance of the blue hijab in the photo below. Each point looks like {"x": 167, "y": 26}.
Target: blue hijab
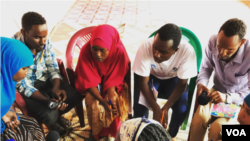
{"x": 14, "y": 56}
{"x": 247, "y": 100}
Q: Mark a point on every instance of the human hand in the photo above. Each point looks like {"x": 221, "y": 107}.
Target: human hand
{"x": 165, "y": 118}
{"x": 105, "y": 104}
{"x": 62, "y": 106}
{"x": 113, "y": 97}
{"x": 217, "y": 97}
{"x": 201, "y": 88}
{"x": 11, "y": 120}
{"x": 157, "y": 114}
{"x": 115, "y": 104}
{"x": 59, "y": 94}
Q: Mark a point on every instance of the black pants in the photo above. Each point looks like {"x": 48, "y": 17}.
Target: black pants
{"x": 41, "y": 110}
{"x": 165, "y": 87}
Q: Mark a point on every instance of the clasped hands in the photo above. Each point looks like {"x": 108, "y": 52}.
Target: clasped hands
{"x": 114, "y": 104}
{"x": 157, "y": 115}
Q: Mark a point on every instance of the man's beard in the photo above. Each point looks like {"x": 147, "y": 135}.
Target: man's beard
{"x": 229, "y": 57}
{"x": 39, "y": 49}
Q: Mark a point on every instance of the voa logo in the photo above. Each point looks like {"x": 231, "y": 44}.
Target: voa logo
{"x": 236, "y": 132}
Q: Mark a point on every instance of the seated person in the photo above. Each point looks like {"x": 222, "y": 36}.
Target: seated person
{"x": 165, "y": 63}
{"x": 15, "y": 60}
{"x": 142, "y": 129}
{"x": 244, "y": 114}
{"x": 227, "y": 54}
{"x": 100, "y": 71}
{"x": 43, "y": 83}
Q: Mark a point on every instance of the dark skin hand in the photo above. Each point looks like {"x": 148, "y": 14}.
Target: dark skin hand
{"x": 201, "y": 88}
{"x": 148, "y": 94}
{"x": 60, "y": 96}
{"x": 176, "y": 94}
{"x": 215, "y": 96}
{"x": 114, "y": 100}
{"x": 11, "y": 120}
{"x": 105, "y": 102}
{"x": 95, "y": 93}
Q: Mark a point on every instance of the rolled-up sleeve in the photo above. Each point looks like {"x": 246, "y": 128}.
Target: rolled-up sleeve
{"x": 25, "y": 88}
{"x": 51, "y": 64}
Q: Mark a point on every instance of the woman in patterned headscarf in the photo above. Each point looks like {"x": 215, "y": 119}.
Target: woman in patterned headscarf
{"x": 142, "y": 129}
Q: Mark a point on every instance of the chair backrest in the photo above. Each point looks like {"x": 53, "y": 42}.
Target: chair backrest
{"x": 78, "y": 39}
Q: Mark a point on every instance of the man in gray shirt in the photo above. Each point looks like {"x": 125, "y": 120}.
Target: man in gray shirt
{"x": 228, "y": 55}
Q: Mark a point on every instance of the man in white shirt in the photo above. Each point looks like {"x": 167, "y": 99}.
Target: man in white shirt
{"x": 165, "y": 63}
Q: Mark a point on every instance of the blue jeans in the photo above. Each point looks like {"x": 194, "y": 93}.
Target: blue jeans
{"x": 166, "y": 87}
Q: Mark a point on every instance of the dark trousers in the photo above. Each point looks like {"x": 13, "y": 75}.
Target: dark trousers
{"x": 166, "y": 87}
{"x": 41, "y": 110}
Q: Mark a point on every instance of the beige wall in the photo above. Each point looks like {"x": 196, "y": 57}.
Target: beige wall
{"x": 12, "y": 11}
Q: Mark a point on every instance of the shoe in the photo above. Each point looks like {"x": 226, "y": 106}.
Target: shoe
{"x": 56, "y": 127}
{"x": 63, "y": 122}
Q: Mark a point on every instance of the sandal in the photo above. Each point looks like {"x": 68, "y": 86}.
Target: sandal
{"x": 65, "y": 123}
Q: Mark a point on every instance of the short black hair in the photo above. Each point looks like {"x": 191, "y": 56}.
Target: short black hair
{"x": 154, "y": 132}
{"x": 170, "y": 31}
{"x": 32, "y": 18}
{"x": 234, "y": 27}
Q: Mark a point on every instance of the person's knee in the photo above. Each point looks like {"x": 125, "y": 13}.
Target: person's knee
{"x": 50, "y": 117}
{"x": 180, "y": 108}
{"x": 199, "y": 120}
{"x": 214, "y": 132}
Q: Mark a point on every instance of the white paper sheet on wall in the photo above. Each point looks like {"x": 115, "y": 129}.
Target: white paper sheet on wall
{"x": 144, "y": 102}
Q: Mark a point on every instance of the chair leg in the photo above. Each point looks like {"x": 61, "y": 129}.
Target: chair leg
{"x": 130, "y": 116}
{"x": 80, "y": 113}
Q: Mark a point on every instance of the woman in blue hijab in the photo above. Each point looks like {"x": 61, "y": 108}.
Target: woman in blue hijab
{"x": 15, "y": 61}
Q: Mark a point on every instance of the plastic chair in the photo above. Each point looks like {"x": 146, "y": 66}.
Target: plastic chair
{"x": 194, "y": 41}
{"x": 79, "y": 39}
